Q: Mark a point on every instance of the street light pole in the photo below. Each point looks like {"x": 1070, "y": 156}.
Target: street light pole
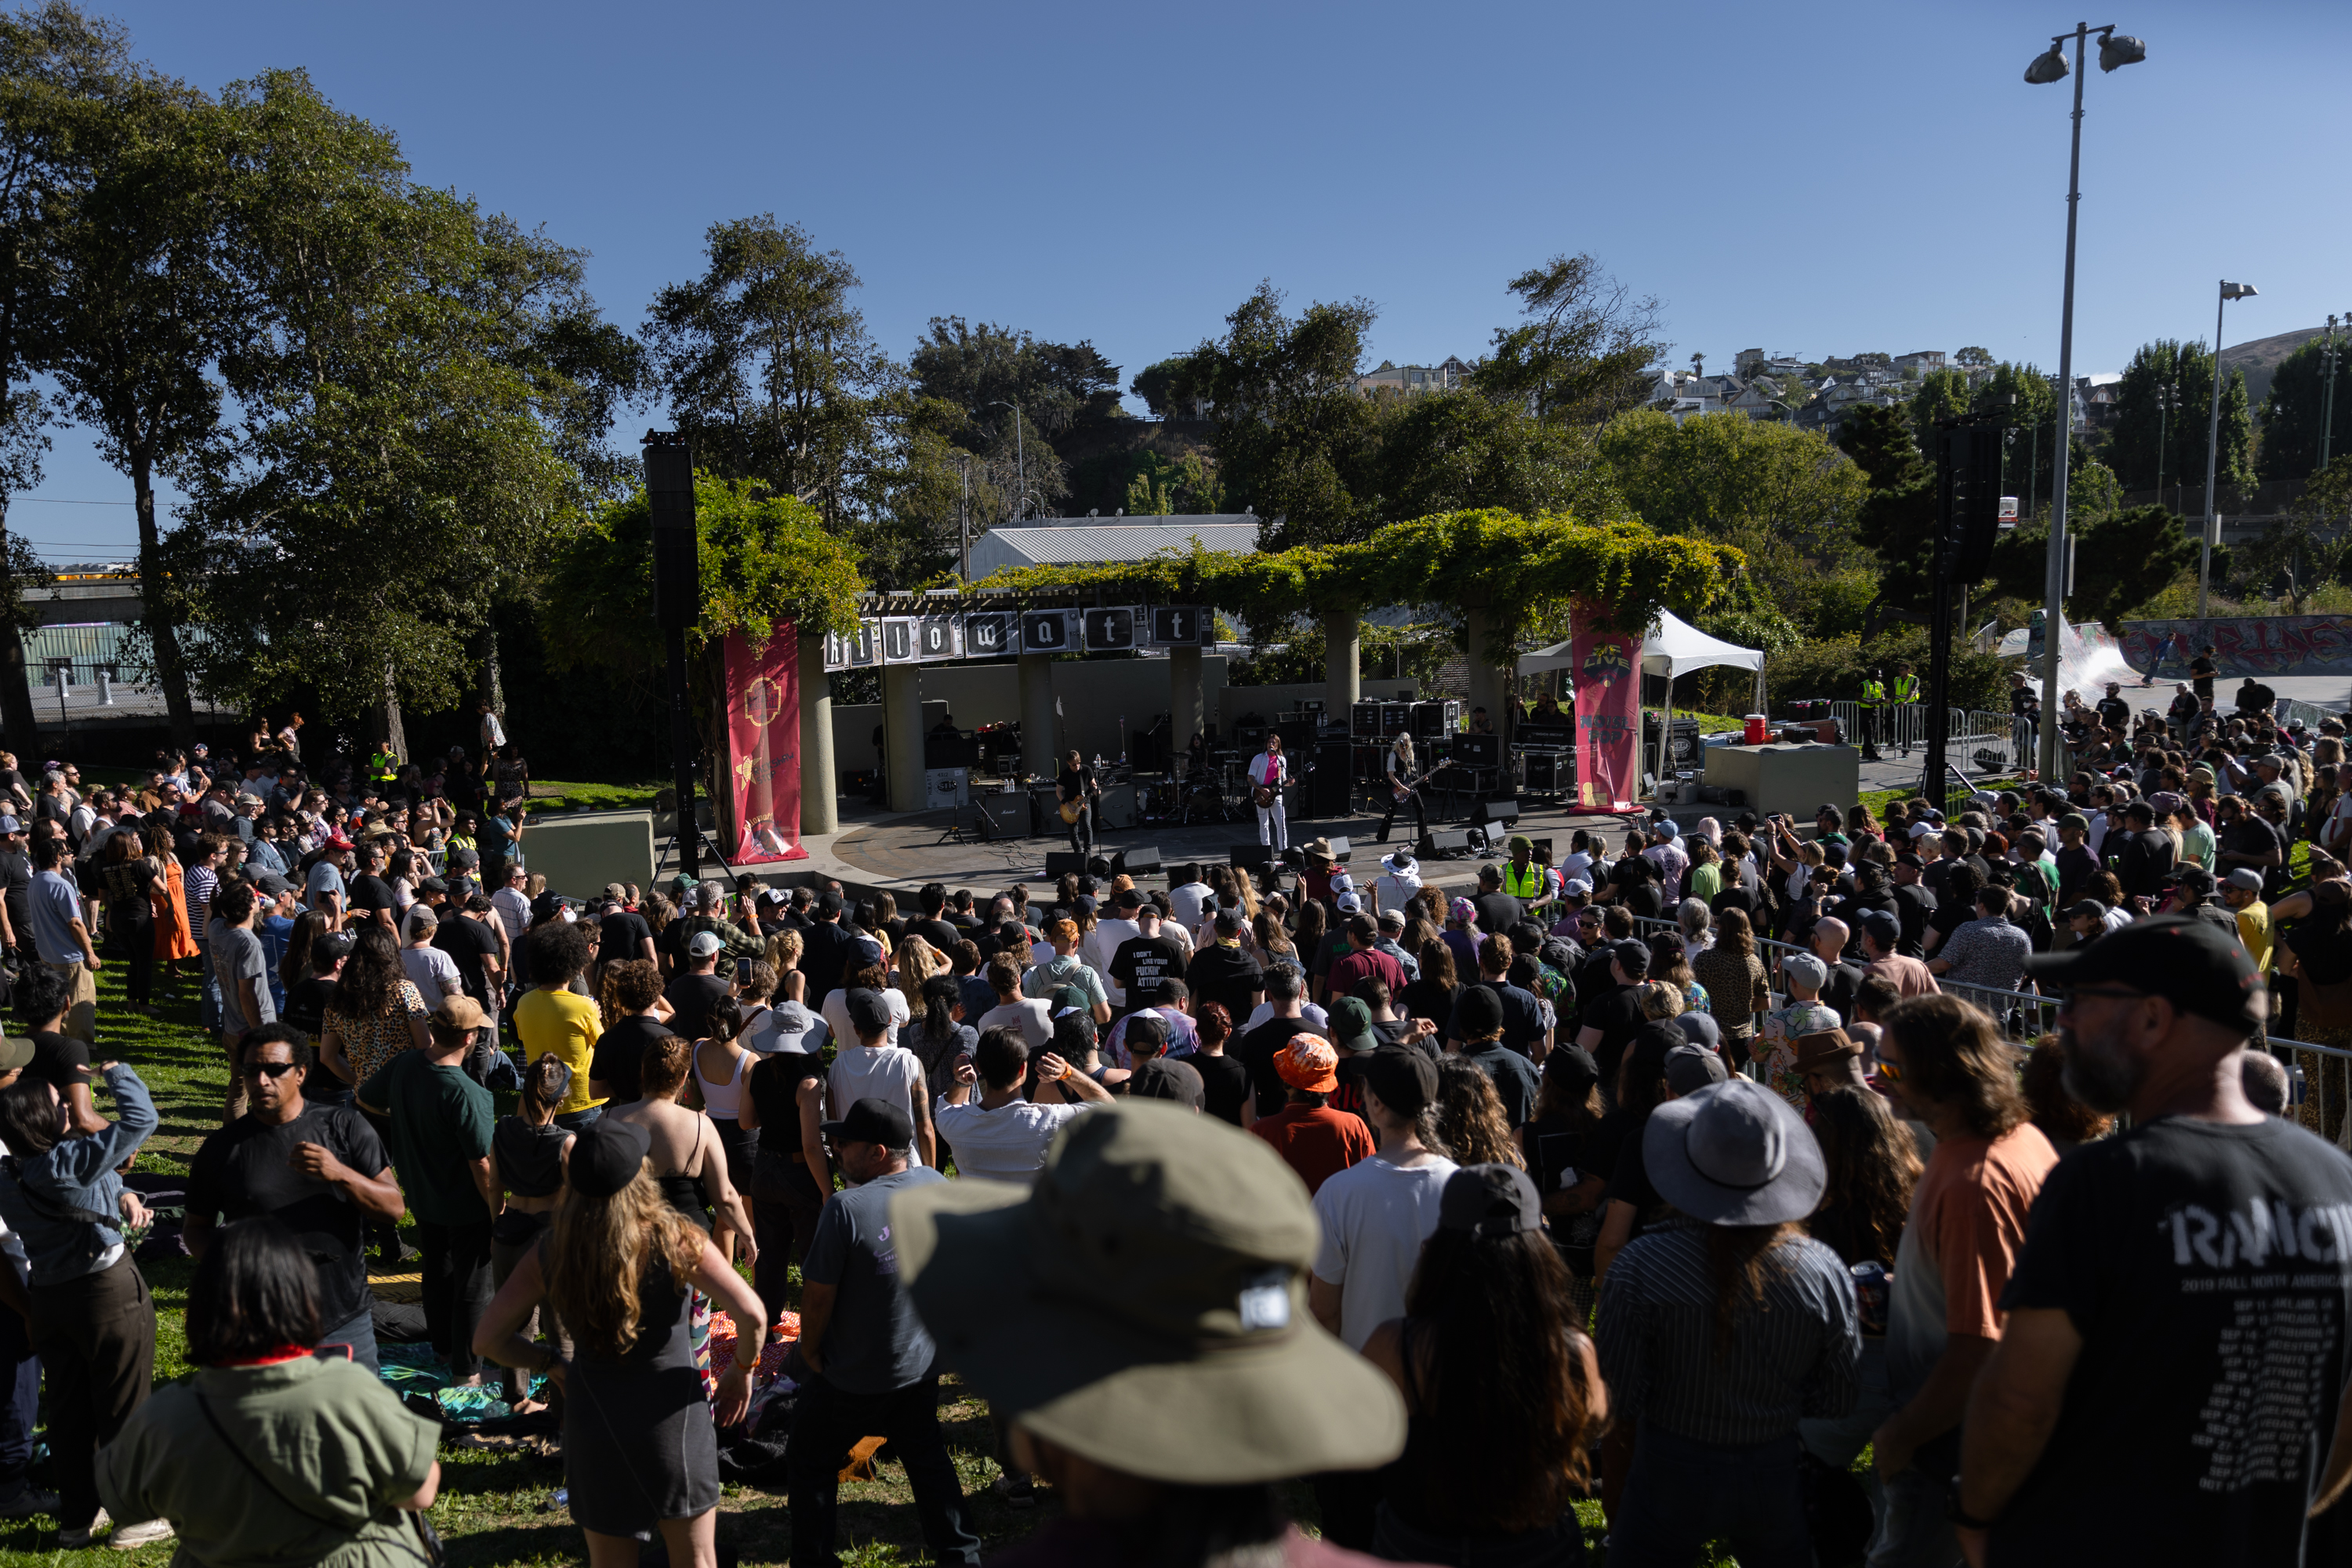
{"x": 2213, "y": 438}
{"x": 2328, "y": 395}
{"x": 2113, "y": 51}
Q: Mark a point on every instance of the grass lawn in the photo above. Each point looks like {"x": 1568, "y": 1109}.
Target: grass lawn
{"x": 496, "y": 1505}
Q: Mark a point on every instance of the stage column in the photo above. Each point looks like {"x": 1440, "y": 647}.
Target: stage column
{"x": 902, "y": 734}
{"x": 820, "y": 808}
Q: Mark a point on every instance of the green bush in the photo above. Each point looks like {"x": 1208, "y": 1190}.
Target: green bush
{"x": 1834, "y": 668}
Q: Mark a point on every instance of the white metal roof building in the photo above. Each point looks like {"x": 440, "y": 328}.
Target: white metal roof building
{"x": 1096, "y": 541}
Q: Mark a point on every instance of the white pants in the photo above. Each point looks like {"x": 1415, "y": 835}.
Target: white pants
{"x": 1274, "y": 823}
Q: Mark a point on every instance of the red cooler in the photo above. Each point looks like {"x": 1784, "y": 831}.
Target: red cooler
{"x": 1760, "y": 731}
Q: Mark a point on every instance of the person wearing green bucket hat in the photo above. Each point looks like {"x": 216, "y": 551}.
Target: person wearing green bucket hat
{"x": 1139, "y": 1321}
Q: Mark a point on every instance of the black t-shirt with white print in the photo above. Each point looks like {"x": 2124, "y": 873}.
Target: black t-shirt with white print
{"x": 2209, "y": 1271}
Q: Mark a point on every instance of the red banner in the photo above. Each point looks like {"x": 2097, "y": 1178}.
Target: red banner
{"x": 1608, "y": 669}
{"x": 764, "y": 746}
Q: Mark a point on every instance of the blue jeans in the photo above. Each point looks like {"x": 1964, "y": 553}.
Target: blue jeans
{"x": 20, "y": 1400}
{"x": 208, "y": 1000}
{"x": 358, "y": 1336}
{"x": 576, "y": 1120}
{"x": 1681, "y": 1494}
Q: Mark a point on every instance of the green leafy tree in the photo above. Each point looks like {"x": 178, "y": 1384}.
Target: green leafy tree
{"x": 2123, "y": 558}
{"x": 2291, "y": 413}
{"x": 1973, "y": 358}
{"x": 1582, "y": 348}
{"x": 1059, "y": 386}
{"x": 769, "y": 370}
{"x": 1166, "y": 389}
{"x": 2132, "y": 446}
{"x": 50, "y": 57}
{"x": 390, "y": 467}
{"x": 138, "y": 301}
{"x": 1785, "y": 496}
{"x": 1460, "y": 450}
{"x": 1293, "y": 440}
{"x": 1896, "y": 518}
{"x": 1942, "y": 394}
{"x": 1161, "y": 486}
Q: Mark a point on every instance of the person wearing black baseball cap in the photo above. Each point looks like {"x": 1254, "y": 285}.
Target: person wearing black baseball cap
{"x": 2145, "y": 1252}
{"x": 871, "y": 1358}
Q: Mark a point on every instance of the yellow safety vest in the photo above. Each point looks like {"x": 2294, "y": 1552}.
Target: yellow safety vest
{"x": 384, "y": 766}
{"x": 1906, "y": 689}
{"x": 1873, "y": 693}
{"x": 1530, "y": 886}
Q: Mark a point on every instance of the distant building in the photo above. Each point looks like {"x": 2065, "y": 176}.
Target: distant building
{"x": 1097, "y": 541}
{"x": 1409, "y": 380}
{"x": 2094, "y": 401}
{"x": 1747, "y": 363}
{"x": 1921, "y": 362}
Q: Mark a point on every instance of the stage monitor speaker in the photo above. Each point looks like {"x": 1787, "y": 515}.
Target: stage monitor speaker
{"x": 1339, "y": 849}
{"x": 1445, "y": 841}
{"x": 1543, "y": 846}
{"x": 1252, "y": 857}
{"x": 1503, "y": 811}
{"x": 1144, "y": 862}
{"x": 1478, "y": 751}
{"x": 1061, "y": 862}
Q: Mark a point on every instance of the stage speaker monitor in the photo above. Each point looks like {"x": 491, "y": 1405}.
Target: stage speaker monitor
{"x": 1251, "y": 858}
{"x": 1340, "y": 850}
{"x": 1142, "y": 862}
{"x": 1060, "y": 862}
{"x": 1445, "y": 841}
{"x": 1478, "y": 751}
{"x": 1503, "y": 811}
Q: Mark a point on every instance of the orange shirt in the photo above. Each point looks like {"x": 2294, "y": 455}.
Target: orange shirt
{"x": 1317, "y": 1141}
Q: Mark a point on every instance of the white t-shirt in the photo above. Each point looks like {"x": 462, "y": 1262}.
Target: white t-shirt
{"x": 1185, "y": 903}
{"x": 835, "y": 1013}
{"x": 1392, "y": 891}
{"x": 1034, "y": 1019}
{"x": 888, "y": 1073}
{"x": 1375, "y": 1216}
{"x": 1307, "y": 1011}
{"x": 1007, "y": 1144}
{"x": 1578, "y": 865}
{"x": 1268, "y": 769}
{"x": 432, "y": 971}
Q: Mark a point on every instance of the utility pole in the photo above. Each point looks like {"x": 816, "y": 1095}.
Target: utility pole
{"x": 964, "y": 523}
{"x": 2328, "y": 393}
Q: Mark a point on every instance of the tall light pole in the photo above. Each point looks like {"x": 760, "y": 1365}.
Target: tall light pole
{"x": 2213, "y": 437}
{"x": 2327, "y": 394}
{"x": 2168, "y": 401}
{"x": 2115, "y": 50}
{"x": 1019, "y": 460}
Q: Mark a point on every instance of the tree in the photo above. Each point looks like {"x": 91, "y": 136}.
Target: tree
{"x": 392, "y": 470}
{"x": 2123, "y": 559}
{"x": 769, "y": 370}
{"x": 137, "y": 303}
{"x": 2023, "y": 398}
{"x": 1166, "y": 390}
{"x": 1785, "y": 496}
{"x": 1294, "y": 439}
{"x": 1896, "y": 518}
{"x": 48, "y": 56}
{"x": 1462, "y": 450}
{"x": 2132, "y": 447}
{"x": 1059, "y": 386}
{"x": 1582, "y": 349}
{"x": 2292, "y": 413}
{"x": 1161, "y": 486}
{"x": 1942, "y": 394}
{"x": 1973, "y": 358}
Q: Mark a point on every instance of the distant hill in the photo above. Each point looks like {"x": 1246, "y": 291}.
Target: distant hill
{"x": 2260, "y": 360}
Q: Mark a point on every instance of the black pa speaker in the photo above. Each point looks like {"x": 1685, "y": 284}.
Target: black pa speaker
{"x": 1255, "y": 859}
{"x": 1061, "y": 862}
{"x": 677, "y": 560}
{"x": 1144, "y": 862}
{"x": 1968, "y": 488}
{"x": 1478, "y": 751}
{"x": 1445, "y": 841}
{"x": 1505, "y": 811}
{"x": 1328, "y": 787}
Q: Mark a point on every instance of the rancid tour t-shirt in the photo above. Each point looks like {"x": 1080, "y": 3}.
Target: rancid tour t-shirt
{"x": 2209, "y": 1271}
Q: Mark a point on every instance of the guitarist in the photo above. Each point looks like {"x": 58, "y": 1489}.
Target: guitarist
{"x": 1081, "y": 793}
{"x": 1403, "y": 789}
{"x": 1269, "y": 773}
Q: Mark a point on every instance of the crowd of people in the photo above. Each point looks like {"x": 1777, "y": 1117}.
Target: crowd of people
{"x": 1675, "y": 1171}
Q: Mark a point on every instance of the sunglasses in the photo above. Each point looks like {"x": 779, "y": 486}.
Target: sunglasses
{"x": 268, "y": 1070}
{"x": 1890, "y": 1069}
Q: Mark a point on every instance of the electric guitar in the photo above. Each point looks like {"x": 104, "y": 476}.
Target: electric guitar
{"x": 1073, "y": 807}
{"x": 1403, "y": 784}
{"x": 1265, "y": 794}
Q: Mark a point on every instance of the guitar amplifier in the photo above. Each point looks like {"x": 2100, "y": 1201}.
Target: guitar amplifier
{"x": 1436, "y": 720}
{"x": 1396, "y": 717}
{"x": 1364, "y": 721}
{"x": 1478, "y": 751}
{"x": 1550, "y": 772}
{"x": 1329, "y": 785}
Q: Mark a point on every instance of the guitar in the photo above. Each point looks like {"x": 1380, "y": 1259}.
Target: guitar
{"x": 1401, "y": 785}
{"x": 1071, "y": 808}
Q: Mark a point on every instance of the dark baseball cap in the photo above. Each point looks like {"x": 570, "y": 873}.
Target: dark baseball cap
{"x": 2196, "y": 879}
{"x": 1490, "y": 1200}
{"x": 330, "y": 950}
{"x": 606, "y": 1156}
{"x": 1690, "y": 1068}
{"x": 869, "y": 1012}
{"x": 1405, "y": 1079}
{"x": 1478, "y": 1014}
{"x": 1571, "y": 1070}
{"x": 1631, "y": 956}
{"x": 2192, "y": 963}
{"x": 872, "y": 1122}
{"x": 1882, "y": 925}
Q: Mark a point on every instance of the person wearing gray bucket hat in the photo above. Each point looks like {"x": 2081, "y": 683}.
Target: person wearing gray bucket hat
{"x": 1139, "y": 1321}
{"x": 1720, "y": 1328}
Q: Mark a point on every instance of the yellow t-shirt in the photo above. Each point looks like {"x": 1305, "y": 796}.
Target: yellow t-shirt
{"x": 2254, "y": 931}
{"x": 568, "y": 1025}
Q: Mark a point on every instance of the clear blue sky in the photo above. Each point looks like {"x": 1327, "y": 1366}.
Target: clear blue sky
{"x": 1814, "y": 179}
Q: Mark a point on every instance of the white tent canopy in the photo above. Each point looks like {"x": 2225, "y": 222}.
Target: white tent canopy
{"x": 1673, "y": 647}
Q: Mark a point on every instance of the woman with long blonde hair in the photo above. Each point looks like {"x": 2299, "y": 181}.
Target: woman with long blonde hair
{"x": 620, "y": 1267}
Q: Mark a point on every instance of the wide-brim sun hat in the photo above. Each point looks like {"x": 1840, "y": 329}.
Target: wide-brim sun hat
{"x": 1734, "y": 1153}
{"x": 1146, "y": 1305}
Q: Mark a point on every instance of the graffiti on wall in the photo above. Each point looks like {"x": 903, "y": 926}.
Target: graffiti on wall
{"x": 2243, "y": 644}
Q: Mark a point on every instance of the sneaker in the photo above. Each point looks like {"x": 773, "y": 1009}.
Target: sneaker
{"x": 79, "y": 1540}
{"x": 29, "y": 1501}
{"x": 132, "y": 1537}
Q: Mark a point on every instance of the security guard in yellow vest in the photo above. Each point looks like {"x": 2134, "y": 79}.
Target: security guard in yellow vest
{"x": 1522, "y": 878}
{"x": 1906, "y": 695}
{"x": 1873, "y": 714}
{"x": 384, "y": 767}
